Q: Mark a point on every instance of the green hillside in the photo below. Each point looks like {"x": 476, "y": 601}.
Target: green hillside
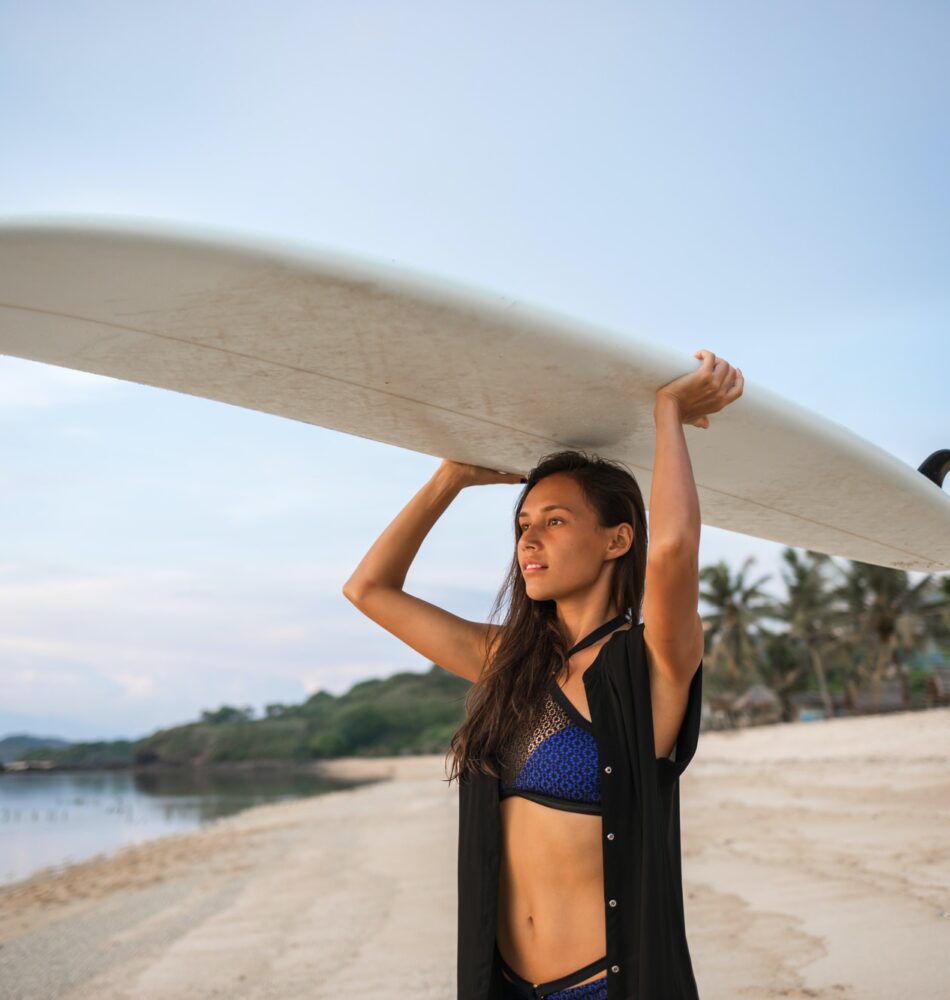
{"x": 408, "y": 713}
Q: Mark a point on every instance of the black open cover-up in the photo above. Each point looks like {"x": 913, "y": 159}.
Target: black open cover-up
{"x": 647, "y": 953}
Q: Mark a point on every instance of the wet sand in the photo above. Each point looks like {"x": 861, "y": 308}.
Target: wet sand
{"x": 816, "y": 864}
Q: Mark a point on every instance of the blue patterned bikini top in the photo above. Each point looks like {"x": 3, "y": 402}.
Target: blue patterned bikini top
{"x": 556, "y": 761}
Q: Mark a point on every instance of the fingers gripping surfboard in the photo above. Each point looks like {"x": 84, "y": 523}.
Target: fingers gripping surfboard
{"x": 443, "y": 369}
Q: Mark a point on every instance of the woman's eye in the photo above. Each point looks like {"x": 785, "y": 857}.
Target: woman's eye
{"x": 550, "y": 519}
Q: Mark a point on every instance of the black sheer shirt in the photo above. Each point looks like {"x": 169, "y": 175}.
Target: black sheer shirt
{"x": 647, "y": 952}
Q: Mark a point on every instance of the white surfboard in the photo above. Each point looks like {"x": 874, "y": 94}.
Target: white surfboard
{"x": 443, "y": 369}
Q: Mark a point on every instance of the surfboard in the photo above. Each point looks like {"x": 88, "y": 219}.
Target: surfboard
{"x": 442, "y": 368}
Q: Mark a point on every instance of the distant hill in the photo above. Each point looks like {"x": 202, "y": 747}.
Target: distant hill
{"x": 408, "y": 713}
{"x": 14, "y": 746}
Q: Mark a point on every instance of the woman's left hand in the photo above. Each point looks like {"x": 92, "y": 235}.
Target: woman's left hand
{"x": 708, "y": 389}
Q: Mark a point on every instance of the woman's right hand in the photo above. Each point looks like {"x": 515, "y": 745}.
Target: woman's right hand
{"x": 476, "y": 475}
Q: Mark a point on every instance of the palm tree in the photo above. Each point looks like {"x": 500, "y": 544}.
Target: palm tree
{"x": 937, "y": 610}
{"x": 809, "y": 610}
{"x": 782, "y": 668}
{"x": 737, "y": 609}
{"x": 881, "y": 604}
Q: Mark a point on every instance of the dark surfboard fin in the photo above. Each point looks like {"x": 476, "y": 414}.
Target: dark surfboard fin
{"x": 936, "y": 466}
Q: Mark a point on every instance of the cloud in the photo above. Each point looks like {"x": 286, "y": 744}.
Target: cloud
{"x": 134, "y": 685}
{"x": 86, "y": 591}
{"x": 45, "y": 676}
{"x": 312, "y": 682}
{"x": 141, "y": 647}
{"x": 82, "y": 650}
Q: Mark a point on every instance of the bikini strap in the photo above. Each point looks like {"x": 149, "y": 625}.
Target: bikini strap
{"x": 541, "y": 990}
{"x": 565, "y": 982}
{"x": 598, "y": 633}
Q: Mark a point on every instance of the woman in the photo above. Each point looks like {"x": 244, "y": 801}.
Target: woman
{"x": 583, "y": 899}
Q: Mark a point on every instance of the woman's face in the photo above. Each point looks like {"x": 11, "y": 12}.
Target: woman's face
{"x": 566, "y": 540}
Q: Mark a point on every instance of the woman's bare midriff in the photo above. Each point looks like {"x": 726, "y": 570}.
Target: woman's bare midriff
{"x": 550, "y": 891}
{"x": 551, "y": 880}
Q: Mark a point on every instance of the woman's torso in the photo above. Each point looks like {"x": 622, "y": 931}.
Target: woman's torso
{"x": 551, "y": 881}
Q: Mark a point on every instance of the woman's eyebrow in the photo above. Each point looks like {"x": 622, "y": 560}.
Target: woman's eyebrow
{"x": 550, "y": 506}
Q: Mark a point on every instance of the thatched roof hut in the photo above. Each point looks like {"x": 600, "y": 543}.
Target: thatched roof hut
{"x": 757, "y": 704}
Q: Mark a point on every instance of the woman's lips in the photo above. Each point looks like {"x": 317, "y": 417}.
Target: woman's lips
{"x": 535, "y": 569}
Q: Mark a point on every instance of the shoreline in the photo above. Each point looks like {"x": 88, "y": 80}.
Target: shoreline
{"x": 815, "y": 864}
{"x": 324, "y": 775}
{"x": 126, "y": 866}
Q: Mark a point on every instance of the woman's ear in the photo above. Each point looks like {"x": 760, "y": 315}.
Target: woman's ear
{"x": 622, "y": 539}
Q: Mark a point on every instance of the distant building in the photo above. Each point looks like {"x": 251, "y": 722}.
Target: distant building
{"x": 889, "y": 696}
{"x": 938, "y": 687}
{"x": 757, "y": 705}
{"x": 807, "y": 706}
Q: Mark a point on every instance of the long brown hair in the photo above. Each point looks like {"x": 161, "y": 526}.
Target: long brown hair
{"x": 530, "y": 648}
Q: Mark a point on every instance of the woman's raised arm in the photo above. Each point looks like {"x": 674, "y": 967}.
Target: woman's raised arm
{"x": 375, "y": 586}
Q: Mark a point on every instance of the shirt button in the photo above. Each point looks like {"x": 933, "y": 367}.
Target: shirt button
{"x": 615, "y": 968}
{"x": 613, "y": 902}
{"x": 610, "y": 836}
{"x": 607, "y": 769}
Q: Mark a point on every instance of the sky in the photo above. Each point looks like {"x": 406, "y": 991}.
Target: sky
{"x": 766, "y": 181}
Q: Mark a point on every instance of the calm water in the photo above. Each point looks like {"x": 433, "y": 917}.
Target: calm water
{"x": 56, "y": 819}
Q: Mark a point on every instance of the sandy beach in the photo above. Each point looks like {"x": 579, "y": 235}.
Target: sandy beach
{"x": 816, "y": 864}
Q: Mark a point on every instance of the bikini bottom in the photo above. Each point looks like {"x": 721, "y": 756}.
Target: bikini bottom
{"x": 556, "y": 989}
